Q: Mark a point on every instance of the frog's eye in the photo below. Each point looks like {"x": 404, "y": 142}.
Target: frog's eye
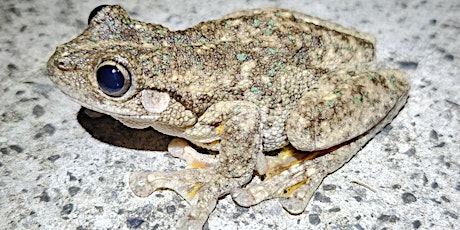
{"x": 113, "y": 78}
{"x": 94, "y": 12}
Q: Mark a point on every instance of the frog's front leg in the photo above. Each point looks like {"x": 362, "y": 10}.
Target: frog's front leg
{"x": 234, "y": 129}
{"x": 330, "y": 124}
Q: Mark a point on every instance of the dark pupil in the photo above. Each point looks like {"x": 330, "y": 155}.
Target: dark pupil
{"x": 110, "y": 78}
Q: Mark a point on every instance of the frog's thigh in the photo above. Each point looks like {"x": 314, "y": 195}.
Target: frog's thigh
{"x": 296, "y": 185}
{"x": 343, "y": 105}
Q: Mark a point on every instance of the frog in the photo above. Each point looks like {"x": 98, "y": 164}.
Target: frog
{"x": 279, "y": 95}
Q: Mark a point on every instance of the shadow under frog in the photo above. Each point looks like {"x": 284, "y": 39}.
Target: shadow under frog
{"x": 108, "y": 130}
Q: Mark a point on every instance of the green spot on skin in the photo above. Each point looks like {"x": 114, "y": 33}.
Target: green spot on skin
{"x": 392, "y": 81}
{"x": 272, "y": 51}
{"x": 254, "y": 89}
{"x": 187, "y": 48}
{"x": 330, "y": 103}
{"x": 198, "y": 65}
{"x": 166, "y": 58}
{"x": 358, "y": 100}
{"x": 125, "y": 21}
{"x": 306, "y": 132}
{"x": 242, "y": 57}
{"x": 319, "y": 56}
{"x": 256, "y": 23}
{"x": 161, "y": 32}
{"x": 309, "y": 36}
{"x": 373, "y": 75}
{"x": 368, "y": 100}
{"x": 238, "y": 110}
{"x": 351, "y": 73}
{"x": 157, "y": 72}
{"x": 158, "y": 52}
{"x": 338, "y": 94}
{"x": 178, "y": 41}
{"x": 277, "y": 14}
{"x": 268, "y": 32}
{"x": 272, "y": 72}
{"x": 271, "y": 22}
{"x": 226, "y": 26}
{"x": 287, "y": 86}
{"x": 279, "y": 65}
{"x": 94, "y": 38}
{"x": 203, "y": 40}
{"x": 303, "y": 61}
{"x": 291, "y": 37}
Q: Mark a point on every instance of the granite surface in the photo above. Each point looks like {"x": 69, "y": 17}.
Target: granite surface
{"x": 61, "y": 170}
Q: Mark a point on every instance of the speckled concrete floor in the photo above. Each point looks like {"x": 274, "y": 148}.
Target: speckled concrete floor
{"x": 58, "y": 173}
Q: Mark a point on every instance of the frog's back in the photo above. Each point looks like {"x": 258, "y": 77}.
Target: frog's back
{"x": 268, "y": 56}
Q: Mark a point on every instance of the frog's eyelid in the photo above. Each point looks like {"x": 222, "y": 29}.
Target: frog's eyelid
{"x": 94, "y": 12}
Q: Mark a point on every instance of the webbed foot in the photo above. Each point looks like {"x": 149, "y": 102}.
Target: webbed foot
{"x": 200, "y": 187}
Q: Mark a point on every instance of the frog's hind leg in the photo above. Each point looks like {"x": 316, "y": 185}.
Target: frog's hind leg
{"x": 343, "y": 105}
{"x": 295, "y": 180}
{"x": 334, "y": 138}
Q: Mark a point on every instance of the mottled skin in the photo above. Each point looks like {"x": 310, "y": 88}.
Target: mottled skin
{"x": 254, "y": 81}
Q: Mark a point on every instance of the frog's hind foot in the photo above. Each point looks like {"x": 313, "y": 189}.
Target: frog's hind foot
{"x": 185, "y": 183}
{"x": 293, "y": 177}
{"x": 294, "y": 188}
{"x": 201, "y": 187}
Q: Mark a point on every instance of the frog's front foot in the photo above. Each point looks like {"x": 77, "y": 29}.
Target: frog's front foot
{"x": 200, "y": 187}
{"x": 233, "y": 128}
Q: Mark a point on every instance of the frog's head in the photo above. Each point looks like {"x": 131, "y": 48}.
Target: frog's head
{"x": 102, "y": 68}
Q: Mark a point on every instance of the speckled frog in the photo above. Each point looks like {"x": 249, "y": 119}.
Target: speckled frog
{"x": 265, "y": 80}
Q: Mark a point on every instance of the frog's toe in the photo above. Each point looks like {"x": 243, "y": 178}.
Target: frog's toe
{"x": 145, "y": 183}
{"x": 298, "y": 199}
{"x": 185, "y": 182}
{"x": 251, "y": 196}
{"x": 200, "y": 187}
{"x": 187, "y": 224}
{"x": 139, "y": 184}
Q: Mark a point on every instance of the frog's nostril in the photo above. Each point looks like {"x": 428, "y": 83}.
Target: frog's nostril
{"x": 64, "y": 63}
